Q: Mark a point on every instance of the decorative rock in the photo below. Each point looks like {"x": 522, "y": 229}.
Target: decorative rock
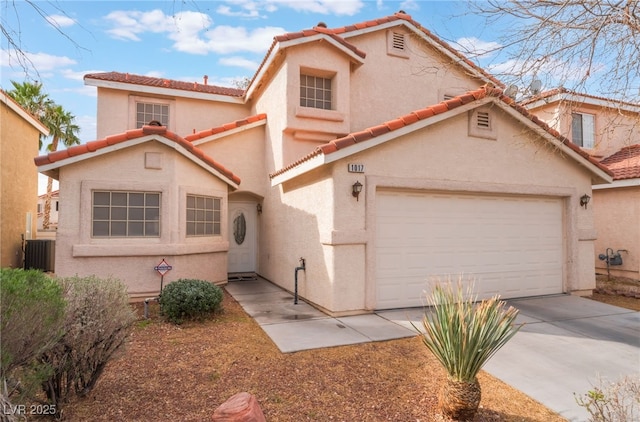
{"x": 243, "y": 407}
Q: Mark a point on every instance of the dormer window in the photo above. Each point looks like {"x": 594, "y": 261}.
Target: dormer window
{"x": 316, "y": 92}
{"x": 583, "y": 130}
{"x": 397, "y": 44}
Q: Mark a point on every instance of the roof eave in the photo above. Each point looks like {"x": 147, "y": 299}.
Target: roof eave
{"x": 53, "y": 169}
{"x": 125, "y": 86}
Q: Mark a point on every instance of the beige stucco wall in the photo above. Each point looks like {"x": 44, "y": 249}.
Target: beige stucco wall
{"x": 440, "y": 157}
{"x": 614, "y": 129}
{"x": 388, "y": 86}
{"x": 617, "y": 217}
{"x": 18, "y": 184}
{"x": 116, "y": 112}
{"x": 132, "y": 259}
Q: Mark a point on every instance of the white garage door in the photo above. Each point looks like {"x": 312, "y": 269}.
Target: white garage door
{"x": 511, "y": 245}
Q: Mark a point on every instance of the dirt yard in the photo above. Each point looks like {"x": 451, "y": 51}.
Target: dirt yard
{"x": 183, "y": 373}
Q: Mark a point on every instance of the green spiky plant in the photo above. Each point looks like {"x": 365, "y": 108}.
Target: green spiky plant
{"x": 463, "y": 335}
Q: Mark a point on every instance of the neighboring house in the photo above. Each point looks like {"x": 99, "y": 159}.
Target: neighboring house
{"x": 19, "y": 140}
{"x": 455, "y": 177}
{"x": 609, "y": 131}
{"x": 55, "y": 206}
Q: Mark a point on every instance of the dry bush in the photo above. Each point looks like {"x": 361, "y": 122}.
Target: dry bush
{"x": 613, "y": 401}
{"x": 97, "y": 322}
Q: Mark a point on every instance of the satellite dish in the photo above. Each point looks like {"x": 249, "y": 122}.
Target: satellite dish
{"x": 511, "y": 91}
{"x": 535, "y": 86}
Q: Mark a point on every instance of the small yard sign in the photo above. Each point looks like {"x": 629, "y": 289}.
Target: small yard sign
{"x": 163, "y": 267}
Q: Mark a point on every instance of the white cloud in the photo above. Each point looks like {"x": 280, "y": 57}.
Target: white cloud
{"x": 324, "y": 7}
{"x": 475, "y": 47}
{"x": 60, "y": 21}
{"x": 239, "y": 62}
{"x": 42, "y": 62}
{"x": 191, "y": 32}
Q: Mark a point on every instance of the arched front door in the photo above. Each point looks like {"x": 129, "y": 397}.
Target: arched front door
{"x": 242, "y": 237}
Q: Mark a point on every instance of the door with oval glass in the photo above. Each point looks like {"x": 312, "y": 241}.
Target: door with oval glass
{"x": 242, "y": 237}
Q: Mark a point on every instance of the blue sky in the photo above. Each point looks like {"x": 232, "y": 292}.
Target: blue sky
{"x": 185, "y": 40}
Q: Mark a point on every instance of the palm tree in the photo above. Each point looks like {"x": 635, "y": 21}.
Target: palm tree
{"x": 61, "y": 128}
{"x": 463, "y": 335}
{"x": 31, "y": 97}
{"x": 59, "y": 122}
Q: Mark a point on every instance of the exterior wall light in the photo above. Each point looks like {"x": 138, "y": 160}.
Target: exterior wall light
{"x": 584, "y": 200}
{"x": 259, "y": 208}
{"x": 356, "y": 189}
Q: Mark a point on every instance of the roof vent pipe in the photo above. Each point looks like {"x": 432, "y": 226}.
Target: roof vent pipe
{"x": 206, "y": 79}
{"x": 321, "y": 25}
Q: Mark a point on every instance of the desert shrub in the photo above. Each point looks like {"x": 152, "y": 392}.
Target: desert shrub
{"x": 97, "y": 322}
{"x": 190, "y": 299}
{"x": 463, "y": 335}
{"x": 613, "y": 401}
{"x": 31, "y": 322}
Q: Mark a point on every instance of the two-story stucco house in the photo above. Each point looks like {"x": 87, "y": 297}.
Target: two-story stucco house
{"x": 375, "y": 152}
{"x": 19, "y": 139}
{"x": 609, "y": 131}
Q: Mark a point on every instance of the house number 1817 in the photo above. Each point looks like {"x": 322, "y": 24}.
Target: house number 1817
{"x": 356, "y": 168}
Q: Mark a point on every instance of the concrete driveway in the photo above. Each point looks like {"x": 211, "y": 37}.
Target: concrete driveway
{"x": 566, "y": 346}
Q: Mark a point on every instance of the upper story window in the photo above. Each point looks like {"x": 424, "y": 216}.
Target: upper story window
{"x": 125, "y": 214}
{"x": 146, "y": 112}
{"x": 203, "y": 215}
{"x": 583, "y": 129}
{"x": 316, "y": 92}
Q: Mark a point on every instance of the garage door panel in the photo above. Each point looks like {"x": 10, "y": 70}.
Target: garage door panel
{"x": 511, "y": 245}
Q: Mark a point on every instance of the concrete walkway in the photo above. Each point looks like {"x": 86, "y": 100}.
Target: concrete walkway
{"x": 567, "y": 343}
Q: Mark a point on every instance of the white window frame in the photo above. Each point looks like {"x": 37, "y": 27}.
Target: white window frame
{"x": 202, "y": 220}
{"x": 586, "y": 137}
{"x": 134, "y": 100}
{"x": 104, "y": 214}
{"x": 304, "y": 92}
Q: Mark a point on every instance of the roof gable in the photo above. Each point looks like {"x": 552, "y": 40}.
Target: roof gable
{"x": 625, "y": 164}
{"x": 566, "y": 95}
{"x": 20, "y": 111}
{"x": 54, "y": 160}
{"x": 370, "y": 137}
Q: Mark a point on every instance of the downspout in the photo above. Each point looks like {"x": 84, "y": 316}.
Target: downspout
{"x": 301, "y": 267}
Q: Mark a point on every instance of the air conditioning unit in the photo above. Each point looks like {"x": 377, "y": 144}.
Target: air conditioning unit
{"x": 40, "y": 254}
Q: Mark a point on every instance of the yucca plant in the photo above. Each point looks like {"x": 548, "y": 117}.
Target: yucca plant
{"x": 463, "y": 335}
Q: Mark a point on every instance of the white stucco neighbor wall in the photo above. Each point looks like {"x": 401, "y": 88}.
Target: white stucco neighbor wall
{"x": 132, "y": 260}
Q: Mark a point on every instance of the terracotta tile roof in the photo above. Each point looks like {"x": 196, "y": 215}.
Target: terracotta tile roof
{"x": 625, "y": 164}
{"x": 225, "y": 127}
{"x": 562, "y": 90}
{"x": 434, "y": 110}
{"x": 337, "y": 34}
{"x": 90, "y": 147}
{"x": 164, "y": 83}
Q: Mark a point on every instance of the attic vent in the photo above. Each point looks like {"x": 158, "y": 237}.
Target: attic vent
{"x": 397, "y": 44}
{"x": 483, "y": 120}
{"x": 398, "y": 41}
{"x": 448, "y": 97}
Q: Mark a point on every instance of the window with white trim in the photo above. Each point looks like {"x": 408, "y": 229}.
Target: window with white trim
{"x": 146, "y": 112}
{"x": 583, "y": 129}
{"x": 203, "y": 215}
{"x": 125, "y": 214}
{"x": 316, "y": 92}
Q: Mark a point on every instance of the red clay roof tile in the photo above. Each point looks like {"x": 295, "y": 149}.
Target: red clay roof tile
{"x": 225, "y": 127}
{"x": 434, "y": 110}
{"x": 625, "y": 164}
{"x": 89, "y": 147}
{"x": 164, "y": 83}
